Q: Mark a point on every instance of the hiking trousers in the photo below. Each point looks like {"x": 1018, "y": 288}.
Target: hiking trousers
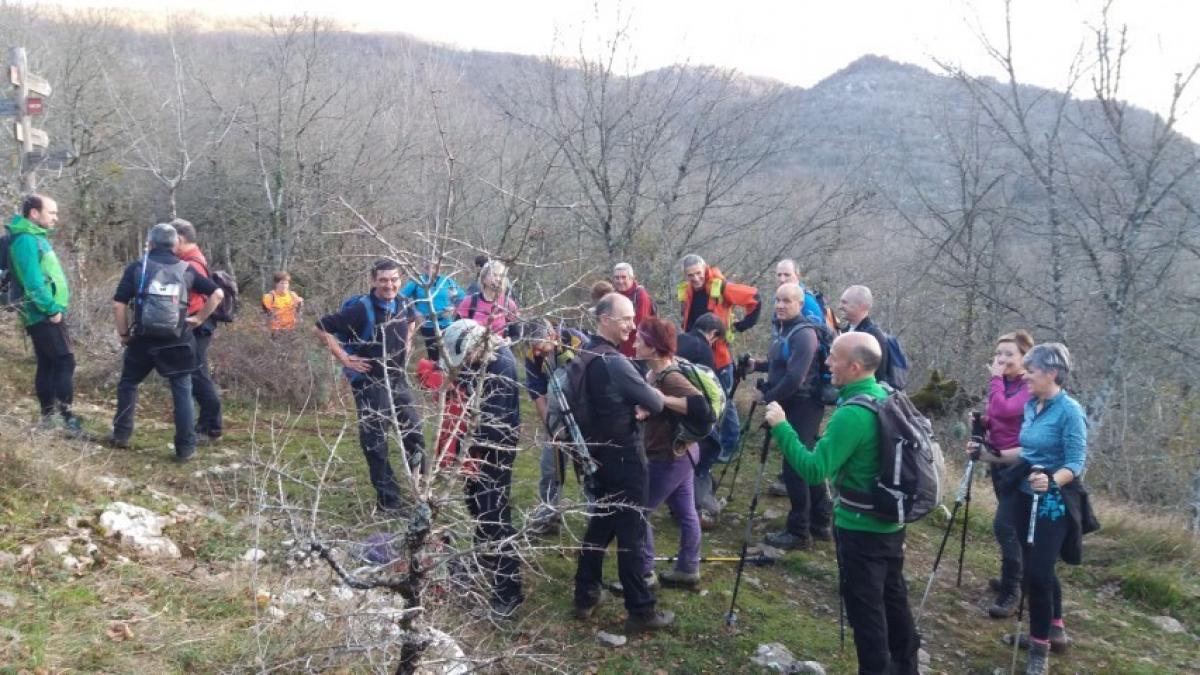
{"x": 204, "y": 390}
{"x": 488, "y": 495}
{"x": 876, "y": 598}
{"x": 810, "y": 508}
{"x": 54, "y": 379}
{"x": 621, "y": 483}
{"x": 379, "y": 415}
{"x": 1005, "y": 532}
{"x": 1040, "y": 558}
{"x": 174, "y": 362}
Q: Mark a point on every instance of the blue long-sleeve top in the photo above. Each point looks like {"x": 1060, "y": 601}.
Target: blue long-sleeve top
{"x": 1056, "y": 437}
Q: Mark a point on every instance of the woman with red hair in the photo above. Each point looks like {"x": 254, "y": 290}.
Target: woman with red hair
{"x": 671, "y": 460}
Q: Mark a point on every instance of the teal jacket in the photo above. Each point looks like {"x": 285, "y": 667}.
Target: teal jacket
{"x": 37, "y": 269}
{"x": 848, "y": 452}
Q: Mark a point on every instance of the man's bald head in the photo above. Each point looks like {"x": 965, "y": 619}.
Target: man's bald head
{"x": 861, "y": 348}
{"x": 614, "y": 314}
{"x": 855, "y": 304}
{"x": 789, "y": 301}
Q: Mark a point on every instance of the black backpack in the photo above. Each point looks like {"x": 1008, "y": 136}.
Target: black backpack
{"x": 161, "y": 301}
{"x": 909, "y": 484}
{"x": 822, "y": 389}
{"x": 571, "y": 381}
{"x": 11, "y": 293}
{"x": 227, "y": 310}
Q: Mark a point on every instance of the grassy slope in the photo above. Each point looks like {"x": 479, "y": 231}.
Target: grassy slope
{"x": 197, "y": 614}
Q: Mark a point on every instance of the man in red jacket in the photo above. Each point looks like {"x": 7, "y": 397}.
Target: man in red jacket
{"x": 704, "y": 289}
{"x": 204, "y": 390}
{"x": 643, "y": 306}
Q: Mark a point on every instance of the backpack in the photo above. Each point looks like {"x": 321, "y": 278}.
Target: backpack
{"x": 826, "y": 392}
{"x": 161, "y": 301}
{"x": 897, "y": 370}
{"x": 571, "y": 381}
{"x": 826, "y": 313}
{"x": 11, "y": 292}
{"x": 911, "y": 466}
{"x": 704, "y": 379}
{"x": 227, "y": 310}
{"x": 353, "y": 342}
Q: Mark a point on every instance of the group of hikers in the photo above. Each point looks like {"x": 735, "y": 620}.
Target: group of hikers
{"x": 641, "y": 407}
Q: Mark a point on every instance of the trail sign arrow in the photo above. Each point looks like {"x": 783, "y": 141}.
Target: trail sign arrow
{"x": 36, "y": 84}
{"x": 39, "y": 138}
{"x": 33, "y": 106}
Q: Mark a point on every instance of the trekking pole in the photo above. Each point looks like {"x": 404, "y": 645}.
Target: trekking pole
{"x": 581, "y": 450}
{"x": 731, "y": 617}
{"x": 962, "y": 547}
{"x": 760, "y": 559}
{"x": 737, "y": 462}
{"x": 964, "y": 487}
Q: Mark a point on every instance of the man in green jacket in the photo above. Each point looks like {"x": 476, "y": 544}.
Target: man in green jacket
{"x": 43, "y": 307}
{"x": 870, "y": 550}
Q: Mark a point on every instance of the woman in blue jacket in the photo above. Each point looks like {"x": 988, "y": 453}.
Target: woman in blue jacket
{"x": 434, "y": 298}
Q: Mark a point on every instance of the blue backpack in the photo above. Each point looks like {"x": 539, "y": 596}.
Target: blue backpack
{"x": 897, "y": 370}
{"x": 353, "y": 342}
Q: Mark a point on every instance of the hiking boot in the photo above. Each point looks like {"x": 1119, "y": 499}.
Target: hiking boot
{"x": 1039, "y": 660}
{"x": 777, "y": 489}
{"x": 1004, "y": 606}
{"x": 544, "y": 521}
{"x": 619, "y": 589}
{"x": 47, "y": 422}
{"x": 205, "y": 438}
{"x": 678, "y": 579}
{"x": 640, "y": 623}
{"x": 1059, "y": 642}
{"x": 505, "y": 609}
{"x": 184, "y": 456}
{"x": 787, "y": 541}
{"x": 73, "y": 425}
{"x": 582, "y": 613}
{"x": 708, "y": 521}
{"x": 995, "y": 586}
{"x": 119, "y": 443}
{"x": 821, "y": 534}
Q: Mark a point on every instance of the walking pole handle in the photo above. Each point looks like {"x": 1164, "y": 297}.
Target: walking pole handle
{"x": 1033, "y": 511}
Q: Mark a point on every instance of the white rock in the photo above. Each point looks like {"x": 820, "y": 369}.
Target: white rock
{"x": 922, "y": 657}
{"x": 276, "y": 613}
{"x": 774, "y": 656}
{"x": 610, "y": 640}
{"x": 772, "y": 514}
{"x": 7, "y": 559}
{"x": 59, "y": 546}
{"x": 8, "y": 600}
{"x": 342, "y": 593}
{"x": 316, "y": 616}
{"x": 116, "y": 484}
{"x": 299, "y": 596}
{"x": 1168, "y": 624}
{"x": 139, "y": 529}
{"x": 254, "y": 555}
{"x": 808, "y": 668}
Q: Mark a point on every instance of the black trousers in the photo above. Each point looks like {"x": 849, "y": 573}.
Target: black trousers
{"x": 488, "y": 494}
{"x": 876, "y": 598}
{"x": 54, "y": 379}
{"x": 622, "y": 491}
{"x": 810, "y": 508}
{"x": 378, "y": 415}
{"x": 1040, "y": 558}
{"x": 1006, "y": 537}
{"x": 208, "y": 400}
{"x": 175, "y": 362}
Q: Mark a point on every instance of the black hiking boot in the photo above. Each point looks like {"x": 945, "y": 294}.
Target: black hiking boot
{"x": 677, "y": 579}
{"x": 821, "y": 534}
{"x": 582, "y": 613}
{"x": 118, "y": 443}
{"x": 1004, "y": 606}
{"x": 619, "y": 589}
{"x": 1059, "y": 642}
{"x": 994, "y": 585}
{"x": 787, "y": 541}
{"x": 640, "y": 623}
{"x": 1039, "y": 660}
{"x": 505, "y": 609}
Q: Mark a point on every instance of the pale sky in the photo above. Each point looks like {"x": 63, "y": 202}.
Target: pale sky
{"x": 796, "y": 41}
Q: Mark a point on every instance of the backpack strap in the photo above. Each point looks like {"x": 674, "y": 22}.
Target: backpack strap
{"x": 864, "y": 401}
{"x": 369, "y": 327}
{"x": 472, "y": 307}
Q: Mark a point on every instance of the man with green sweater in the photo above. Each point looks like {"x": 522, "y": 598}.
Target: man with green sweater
{"x": 870, "y": 550}
{"x": 44, "y": 298}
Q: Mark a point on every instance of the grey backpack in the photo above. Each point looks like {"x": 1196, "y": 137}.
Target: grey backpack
{"x": 162, "y": 300}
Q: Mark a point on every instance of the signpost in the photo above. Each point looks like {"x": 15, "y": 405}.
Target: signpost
{"x": 30, "y": 92}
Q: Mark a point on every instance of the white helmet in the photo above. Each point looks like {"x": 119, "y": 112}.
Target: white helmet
{"x": 462, "y": 338}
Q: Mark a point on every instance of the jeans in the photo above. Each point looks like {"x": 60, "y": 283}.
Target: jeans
{"x": 488, "y": 494}
{"x": 204, "y": 390}
{"x": 810, "y": 508}
{"x": 876, "y": 599}
{"x": 672, "y": 481}
{"x": 622, "y": 492}
{"x": 1006, "y": 537}
{"x": 378, "y": 416}
{"x": 54, "y": 380}
{"x": 710, "y": 450}
{"x": 1039, "y": 558}
{"x": 174, "y": 362}
{"x": 550, "y": 482}
{"x": 729, "y": 426}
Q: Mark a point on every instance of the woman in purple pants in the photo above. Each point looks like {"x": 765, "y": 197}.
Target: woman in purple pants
{"x": 671, "y": 461}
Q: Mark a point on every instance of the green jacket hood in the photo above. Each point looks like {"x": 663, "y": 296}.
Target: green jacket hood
{"x": 23, "y": 225}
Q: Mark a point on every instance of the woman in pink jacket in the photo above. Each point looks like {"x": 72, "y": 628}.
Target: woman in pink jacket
{"x": 1007, "y": 396}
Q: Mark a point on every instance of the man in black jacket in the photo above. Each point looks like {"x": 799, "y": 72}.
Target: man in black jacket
{"x": 370, "y": 338}
{"x": 487, "y": 382}
{"x": 174, "y": 357}
{"x": 793, "y": 381}
{"x": 619, "y": 397}
{"x": 855, "y": 308}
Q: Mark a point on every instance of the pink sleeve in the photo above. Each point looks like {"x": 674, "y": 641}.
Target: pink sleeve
{"x": 463, "y": 307}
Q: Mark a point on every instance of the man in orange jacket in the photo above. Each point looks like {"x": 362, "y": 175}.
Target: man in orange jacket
{"x": 204, "y": 390}
{"x": 704, "y": 289}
